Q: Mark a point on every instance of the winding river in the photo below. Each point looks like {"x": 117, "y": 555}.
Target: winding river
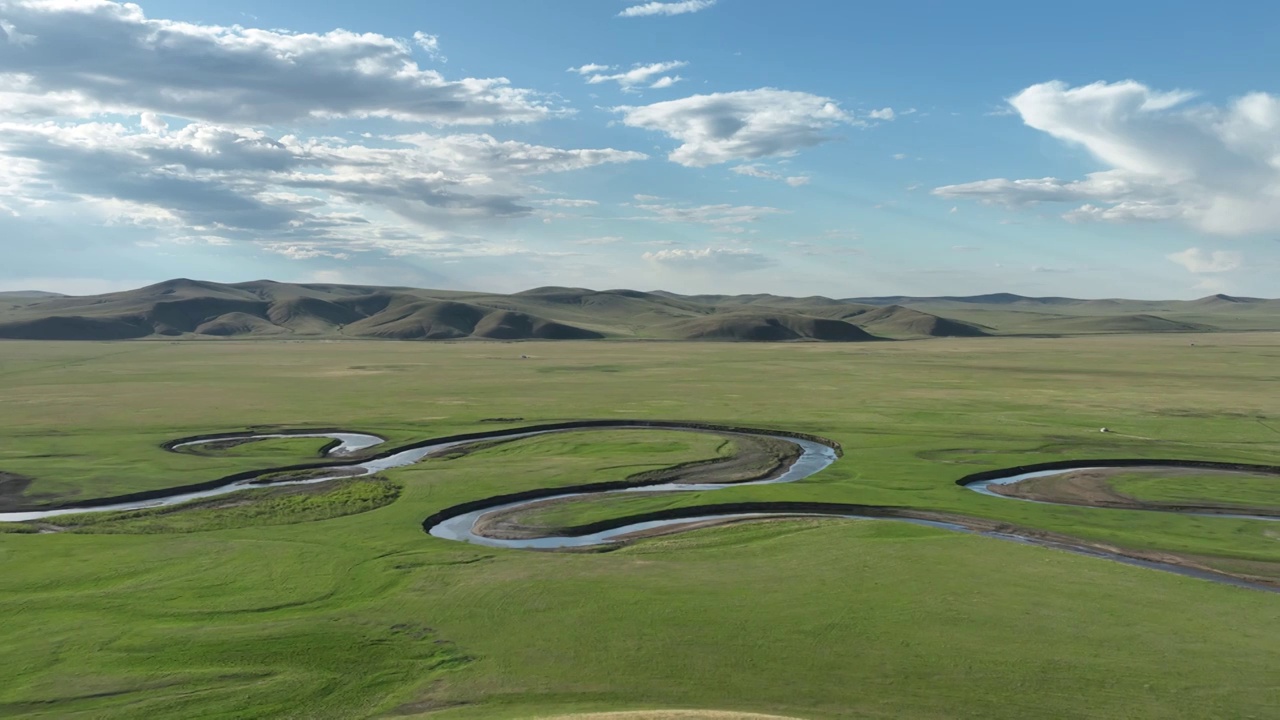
{"x": 459, "y": 523}
{"x": 984, "y": 487}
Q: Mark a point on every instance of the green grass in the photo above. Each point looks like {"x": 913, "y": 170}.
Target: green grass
{"x": 1261, "y": 491}
{"x": 362, "y": 615}
{"x": 247, "y": 508}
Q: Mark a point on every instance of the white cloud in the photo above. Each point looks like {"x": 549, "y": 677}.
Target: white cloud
{"x": 605, "y": 240}
{"x": 153, "y": 124}
{"x": 568, "y": 203}
{"x": 431, "y": 44}
{"x": 743, "y": 125}
{"x": 1216, "y": 169}
{"x": 304, "y": 252}
{"x": 245, "y": 184}
{"x": 763, "y": 173}
{"x": 81, "y": 59}
{"x": 1198, "y": 261}
{"x": 12, "y": 36}
{"x": 666, "y": 8}
{"x": 652, "y": 75}
{"x": 899, "y": 156}
{"x": 725, "y": 217}
{"x": 710, "y": 259}
{"x": 886, "y": 114}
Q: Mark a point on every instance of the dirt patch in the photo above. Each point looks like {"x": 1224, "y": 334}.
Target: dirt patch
{"x": 1092, "y": 488}
{"x": 13, "y": 492}
{"x": 216, "y": 446}
{"x": 13, "y": 485}
{"x": 755, "y": 458}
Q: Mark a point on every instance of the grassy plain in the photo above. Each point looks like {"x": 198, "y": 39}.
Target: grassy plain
{"x": 363, "y": 615}
{"x": 1200, "y": 487}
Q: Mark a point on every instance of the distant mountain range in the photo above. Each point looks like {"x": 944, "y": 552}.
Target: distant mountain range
{"x": 263, "y": 308}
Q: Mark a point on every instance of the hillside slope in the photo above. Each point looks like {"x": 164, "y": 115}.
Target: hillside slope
{"x": 264, "y": 308}
{"x": 769, "y": 327}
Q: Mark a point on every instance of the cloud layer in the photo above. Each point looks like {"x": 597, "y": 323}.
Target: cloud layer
{"x": 244, "y": 184}
{"x": 228, "y": 74}
{"x": 198, "y": 134}
{"x": 1216, "y": 169}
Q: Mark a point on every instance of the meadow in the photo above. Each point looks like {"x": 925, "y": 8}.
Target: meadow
{"x": 333, "y": 603}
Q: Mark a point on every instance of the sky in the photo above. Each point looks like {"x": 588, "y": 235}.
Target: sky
{"x": 919, "y": 147}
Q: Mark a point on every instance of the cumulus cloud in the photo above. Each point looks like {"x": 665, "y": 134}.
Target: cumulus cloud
{"x": 1216, "y": 169}
{"x": 228, "y": 74}
{"x": 717, "y": 259}
{"x": 886, "y": 114}
{"x": 1198, "y": 261}
{"x": 666, "y": 8}
{"x": 652, "y": 75}
{"x": 743, "y": 125}
{"x": 758, "y": 171}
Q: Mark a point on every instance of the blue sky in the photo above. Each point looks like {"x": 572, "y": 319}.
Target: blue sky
{"x": 845, "y": 149}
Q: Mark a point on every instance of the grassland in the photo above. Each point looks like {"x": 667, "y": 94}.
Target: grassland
{"x": 1200, "y": 487}
{"x": 363, "y": 615}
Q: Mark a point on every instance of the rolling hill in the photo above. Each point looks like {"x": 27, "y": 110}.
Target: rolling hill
{"x": 769, "y": 327}
{"x": 185, "y": 308}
